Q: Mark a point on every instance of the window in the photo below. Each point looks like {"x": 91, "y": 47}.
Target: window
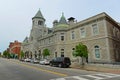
{"x": 82, "y": 32}
{"x": 73, "y": 35}
{"x": 62, "y": 36}
{"x": 73, "y": 49}
{"x": 55, "y": 54}
{"x": 97, "y": 51}
{"x": 117, "y": 33}
{"x": 62, "y": 52}
{"x": 95, "y": 29}
{"x": 40, "y": 22}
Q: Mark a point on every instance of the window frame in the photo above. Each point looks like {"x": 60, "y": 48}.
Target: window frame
{"x": 97, "y": 55}
{"x": 93, "y": 33}
{"x": 72, "y": 35}
{"x": 40, "y": 22}
{"x": 62, "y": 37}
{"x": 82, "y": 36}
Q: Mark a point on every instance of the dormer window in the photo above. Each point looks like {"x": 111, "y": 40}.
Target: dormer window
{"x": 40, "y": 22}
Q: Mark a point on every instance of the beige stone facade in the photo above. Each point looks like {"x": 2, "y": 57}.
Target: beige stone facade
{"x": 100, "y": 33}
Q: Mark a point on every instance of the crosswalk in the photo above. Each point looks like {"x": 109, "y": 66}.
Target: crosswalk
{"x": 90, "y": 77}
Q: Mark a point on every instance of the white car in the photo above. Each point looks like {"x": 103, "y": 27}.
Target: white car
{"x": 34, "y": 61}
{"x": 44, "y": 62}
{"x": 27, "y": 60}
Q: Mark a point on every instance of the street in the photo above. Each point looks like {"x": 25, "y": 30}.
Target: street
{"x": 15, "y": 70}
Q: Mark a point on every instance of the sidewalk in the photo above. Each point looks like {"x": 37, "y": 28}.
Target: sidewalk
{"x": 98, "y": 68}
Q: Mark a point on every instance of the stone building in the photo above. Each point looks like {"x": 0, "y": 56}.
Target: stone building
{"x": 100, "y": 33}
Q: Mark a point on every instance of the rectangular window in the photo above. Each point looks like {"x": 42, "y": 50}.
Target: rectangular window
{"x": 95, "y": 29}
{"x": 97, "y": 52}
{"x": 73, "y": 35}
{"x": 62, "y": 36}
{"x": 62, "y": 52}
{"x": 82, "y": 32}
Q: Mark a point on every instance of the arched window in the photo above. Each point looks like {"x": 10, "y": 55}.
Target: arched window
{"x": 40, "y": 22}
{"x": 97, "y": 51}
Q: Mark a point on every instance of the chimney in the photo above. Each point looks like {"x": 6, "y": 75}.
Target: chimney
{"x": 71, "y": 20}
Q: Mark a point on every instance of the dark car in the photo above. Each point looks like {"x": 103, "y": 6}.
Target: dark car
{"x": 60, "y": 62}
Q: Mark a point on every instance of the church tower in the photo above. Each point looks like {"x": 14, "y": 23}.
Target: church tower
{"x": 37, "y": 31}
{"x": 38, "y": 26}
{"x": 38, "y": 19}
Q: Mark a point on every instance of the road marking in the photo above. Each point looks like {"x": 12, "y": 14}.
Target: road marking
{"x": 108, "y": 75}
{"x": 59, "y": 79}
{"x": 113, "y": 75}
{"x": 96, "y": 77}
{"x": 79, "y": 78}
{"x": 88, "y": 77}
{"x": 40, "y": 69}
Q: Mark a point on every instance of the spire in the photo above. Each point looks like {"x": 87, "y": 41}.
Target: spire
{"x": 39, "y": 15}
{"x": 62, "y": 19}
{"x": 26, "y": 40}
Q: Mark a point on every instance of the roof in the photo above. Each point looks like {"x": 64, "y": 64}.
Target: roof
{"x": 25, "y": 40}
{"x": 39, "y": 15}
{"x": 62, "y": 19}
{"x": 94, "y": 18}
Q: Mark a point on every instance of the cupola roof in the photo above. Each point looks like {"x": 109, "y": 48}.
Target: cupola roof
{"x": 62, "y": 19}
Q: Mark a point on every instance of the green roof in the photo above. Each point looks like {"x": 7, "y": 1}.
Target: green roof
{"x": 38, "y": 15}
{"x": 62, "y": 20}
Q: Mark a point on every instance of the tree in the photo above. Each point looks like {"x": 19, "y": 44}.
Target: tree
{"x": 8, "y": 55}
{"x": 22, "y": 54}
{"x": 81, "y": 51}
{"x": 5, "y": 54}
{"x": 46, "y": 52}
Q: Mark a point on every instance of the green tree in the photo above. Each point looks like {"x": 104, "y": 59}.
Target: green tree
{"x": 5, "y": 54}
{"x": 8, "y": 55}
{"x": 81, "y": 51}
{"x": 46, "y": 52}
{"x": 22, "y": 54}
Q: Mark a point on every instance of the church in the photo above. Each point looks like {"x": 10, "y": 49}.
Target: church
{"x": 100, "y": 33}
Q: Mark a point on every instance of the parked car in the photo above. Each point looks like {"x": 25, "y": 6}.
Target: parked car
{"x": 27, "y": 60}
{"x": 44, "y": 61}
{"x": 22, "y": 60}
{"x": 34, "y": 61}
{"x": 60, "y": 62}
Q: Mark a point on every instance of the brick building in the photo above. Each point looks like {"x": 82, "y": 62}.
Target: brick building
{"x": 14, "y": 48}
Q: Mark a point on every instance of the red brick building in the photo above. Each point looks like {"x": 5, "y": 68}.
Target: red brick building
{"x": 14, "y": 48}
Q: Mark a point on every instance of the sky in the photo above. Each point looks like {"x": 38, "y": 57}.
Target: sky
{"x": 16, "y": 15}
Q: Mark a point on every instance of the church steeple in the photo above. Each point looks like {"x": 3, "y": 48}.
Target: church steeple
{"x": 62, "y": 19}
{"x": 38, "y": 19}
{"x": 39, "y": 15}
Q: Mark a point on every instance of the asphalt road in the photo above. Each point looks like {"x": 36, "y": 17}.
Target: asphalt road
{"x": 15, "y": 70}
